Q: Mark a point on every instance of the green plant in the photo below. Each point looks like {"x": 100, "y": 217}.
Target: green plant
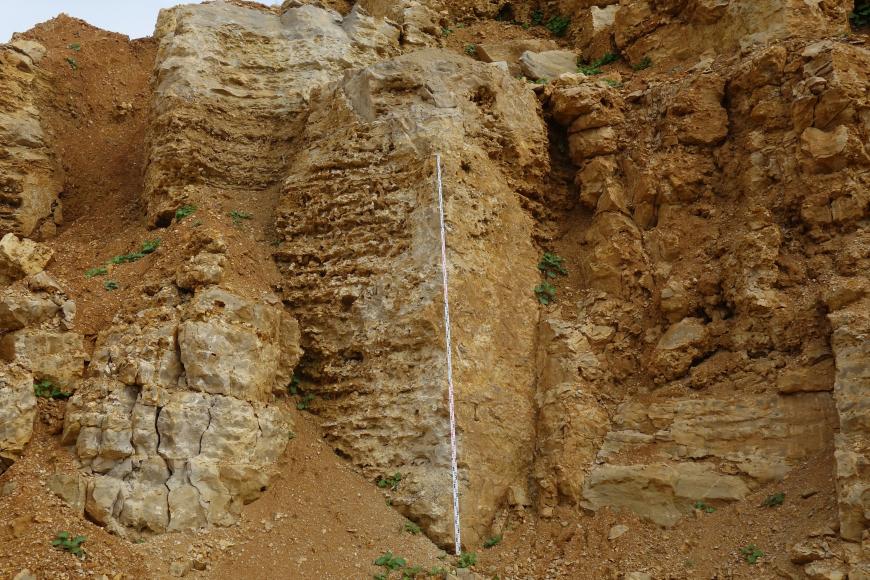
{"x": 73, "y": 545}
{"x": 72, "y": 63}
{"x": 545, "y": 292}
{"x": 184, "y": 211}
{"x": 98, "y": 271}
{"x": 74, "y": 46}
{"x": 537, "y": 17}
{"x": 774, "y": 500}
{"x": 390, "y": 562}
{"x": 751, "y": 553}
{"x": 608, "y": 58}
{"x": 412, "y": 528}
{"x": 446, "y": 31}
{"x": 704, "y": 507}
{"x": 379, "y": 577}
{"x": 542, "y": 81}
{"x": 589, "y": 70}
{"x": 291, "y": 435}
{"x": 492, "y": 542}
{"x": 150, "y": 246}
{"x": 470, "y": 49}
{"x": 46, "y": 389}
{"x": 594, "y": 68}
{"x": 238, "y": 216}
{"x": 466, "y": 560}
{"x": 411, "y": 572}
{"x": 552, "y": 264}
{"x": 305, "y": 402}
{"x": 558, "y": 25}
{"x": 390, "y": 481}
{"x": 437, "y": 571}
{"x": 860, "y": 16}
{"x": 294, "y": 385}
{"x": 110, "y": 285}
{"x": 644, "y": 63}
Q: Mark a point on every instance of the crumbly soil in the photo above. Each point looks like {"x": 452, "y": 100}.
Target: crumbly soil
{"x": 320, "y": 518}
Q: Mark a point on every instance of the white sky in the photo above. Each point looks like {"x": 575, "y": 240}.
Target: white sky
{"x": 135, "y": 18}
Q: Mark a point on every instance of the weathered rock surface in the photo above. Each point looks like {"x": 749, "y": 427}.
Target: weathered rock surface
{"x": 174, "y": 427}
{"x": 30, "y": 180}
{"x": 370, "y": 311}
{"x": 17, "y": 412}
{"x": 20, "y": 257}
{"x": 736, "y": 371}
{"x": 226, "y": 105}
{"x": 547, "y": 65}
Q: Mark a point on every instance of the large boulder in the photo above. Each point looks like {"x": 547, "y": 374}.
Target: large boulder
{"x": 17, "y": 412}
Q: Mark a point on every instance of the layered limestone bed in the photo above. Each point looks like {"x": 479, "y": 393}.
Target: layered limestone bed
{"x": 360, "y": 258}
{"x": 710, "y": 337}
{"x": 29, "y": 175}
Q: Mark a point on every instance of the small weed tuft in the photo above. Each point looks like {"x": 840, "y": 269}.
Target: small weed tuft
{"x": 184, "y": 211}
{"x": 613, "y": 83}
{"x": 412, "y": 528}
{"x": 545, "y": 292}
{"x": 110, "y": 285}
{"x": 238, "y": 216}
{"x": 542, "y": 81}
{"x": 98, "y": 271}
{"x": 150, "y": 246}
{"x": 294, "y": 385}
{"x": 305, "y": 402}
{"x": 558, "y": 25}
{"x": 446, "y": 31}
{"x": 466, "y": 560}
{"x": 774, "y": 500}
{"x": 46, "y": 389}
{"x": 552, "y": 264}
{"x": 704, "y": 507}
{"x": 390, "y": 481}
{"x": 437, "y": 571}
{"x": 751, "y": 553}
{"x": 470, "y": 49}
{"x": 537, "y": 17}
{"x": 72, "y": 544}
{"x": 492, "y": 542}
{"x": 644, "y": 63}
{"x": 72, "y": 63}
{"x": 411, "y": 572}
{"x": 74, "y": 46}
{"x": 390, "y": 562}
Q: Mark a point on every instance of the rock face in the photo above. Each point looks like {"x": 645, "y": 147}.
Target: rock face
{"x": 738, "y": 364}
{"x": 360, "y": 254}
{"x": 29, "y": 178}
{"x": 226, "y": 105}
{"x": 36, "y": 341}
{"x": 174, "y": 426}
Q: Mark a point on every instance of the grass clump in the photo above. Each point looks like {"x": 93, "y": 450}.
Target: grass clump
{"x": 774, "y": 500}
{"x": 72, "y": 63}
{"x": 593, "y": 68}
{"x": 644, "y": 63}
{"x": 46, "y": 389}
{"x": 467, "y": 560}
{"x": 74, "y": 46}
{"x": 412, "y": 528}
{"x": 238, "y": 216}
{"x": 98, "y": 271}
{"x": 703, "y": 507}
{"x": 70, "y": 543}
{"x": 390, "y": 481}
{"x": 558, "y": 25}
{"x": 110, "y": 285}
{"x": 470, "y": 49}
{"x": 184, "y": 211}
{"x": 390, "y": 562}
{"x": 751, "y": 553}
{"x": 446, "y": 31}
{"x": 492, "y": 542}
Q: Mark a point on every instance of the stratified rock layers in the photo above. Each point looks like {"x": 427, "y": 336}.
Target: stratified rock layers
{"x": 361, "y": 253}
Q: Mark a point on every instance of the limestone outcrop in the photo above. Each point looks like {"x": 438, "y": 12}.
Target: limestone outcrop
{"x": 174, "y": 426}
{"x": 742, "y": 376}
{"x": 30, "y": 179}
{"x": 360, "y": 255}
